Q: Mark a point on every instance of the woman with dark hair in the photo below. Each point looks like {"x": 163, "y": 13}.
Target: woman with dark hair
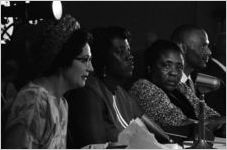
{"x": 162, "y": 96}
{"x": 38, "y": 116}
{"x": 105, "y": 108}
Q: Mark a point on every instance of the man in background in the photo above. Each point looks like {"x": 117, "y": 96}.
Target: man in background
{"x": 195, "y": 44}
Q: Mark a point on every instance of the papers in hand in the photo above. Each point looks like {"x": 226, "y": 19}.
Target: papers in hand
{"x": 136, "y": 136}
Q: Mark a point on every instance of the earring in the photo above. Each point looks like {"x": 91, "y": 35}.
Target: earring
{"x": 104, "y": 71}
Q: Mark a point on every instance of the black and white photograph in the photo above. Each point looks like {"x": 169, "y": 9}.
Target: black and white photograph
{"x": 113, "y": 74}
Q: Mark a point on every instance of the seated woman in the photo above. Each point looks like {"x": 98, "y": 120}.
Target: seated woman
{"x": 38, "y": 117}
{"x": 104, "y": 108}
{"x": 163, "y": 97}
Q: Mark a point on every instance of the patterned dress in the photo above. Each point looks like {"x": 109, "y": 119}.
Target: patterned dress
{"x": 158, "y": 107}
{"x": 43, "y": 117}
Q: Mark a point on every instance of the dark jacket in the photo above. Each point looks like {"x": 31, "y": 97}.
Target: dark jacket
{"x": 92, "y": 117}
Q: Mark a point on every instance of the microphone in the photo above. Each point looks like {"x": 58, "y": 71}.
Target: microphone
{"x": 206, "y": 83}
{"x": 219, "y": 64}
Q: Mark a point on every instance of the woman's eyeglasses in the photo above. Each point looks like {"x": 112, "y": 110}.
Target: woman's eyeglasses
{"x": 84, "y": 60}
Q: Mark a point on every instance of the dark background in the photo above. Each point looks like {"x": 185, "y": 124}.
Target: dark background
{"x": 158, "y": 17}
{"x": 147, "y": 21}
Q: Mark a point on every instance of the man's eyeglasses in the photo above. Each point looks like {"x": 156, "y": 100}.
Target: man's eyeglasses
{"x": 85, "y": 60}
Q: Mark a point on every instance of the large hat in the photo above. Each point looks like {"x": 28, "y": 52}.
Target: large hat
{"x": 51, "y": 39}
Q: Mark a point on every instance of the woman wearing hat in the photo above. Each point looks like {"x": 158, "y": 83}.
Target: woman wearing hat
{"x": 38, "y": 116}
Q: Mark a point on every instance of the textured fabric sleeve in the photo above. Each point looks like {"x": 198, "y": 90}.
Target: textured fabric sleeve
{"x": 209, "y": 112}
{"x": 155, "y": 103}
{"x": 25, "y": 124}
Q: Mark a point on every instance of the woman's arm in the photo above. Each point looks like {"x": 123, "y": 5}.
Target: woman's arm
{"x": 156, "y": 104}
{"x": 208, "y": 111}
{"x": 24, "y": 125}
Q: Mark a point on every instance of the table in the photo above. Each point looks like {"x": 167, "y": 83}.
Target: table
{"x": 219, "y": 143}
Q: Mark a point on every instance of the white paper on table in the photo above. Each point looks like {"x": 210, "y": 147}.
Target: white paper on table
{"x": 136, "y": 136}
{"x": 95, "y": 146}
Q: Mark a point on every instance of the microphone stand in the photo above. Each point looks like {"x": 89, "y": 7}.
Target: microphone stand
{"x": 201, "y": 142}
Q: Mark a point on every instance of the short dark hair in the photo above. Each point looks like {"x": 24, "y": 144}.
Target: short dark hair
{"x": 179, "y": 34}
{"x": 102, "y": 42}
{"x": 153, "y": 52}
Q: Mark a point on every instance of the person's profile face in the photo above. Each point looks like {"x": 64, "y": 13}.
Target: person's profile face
{"x": 78, "y": 72}
{"x": 198, "y": 52}
{"x": 168, "y": 70}
{"x": 120, "y": 60}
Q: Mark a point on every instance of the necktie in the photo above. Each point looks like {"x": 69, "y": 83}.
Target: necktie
{"x": 190, "y": 83}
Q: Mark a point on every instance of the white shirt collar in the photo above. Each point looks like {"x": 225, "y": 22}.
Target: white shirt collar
{"x": 184, "y": 78}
